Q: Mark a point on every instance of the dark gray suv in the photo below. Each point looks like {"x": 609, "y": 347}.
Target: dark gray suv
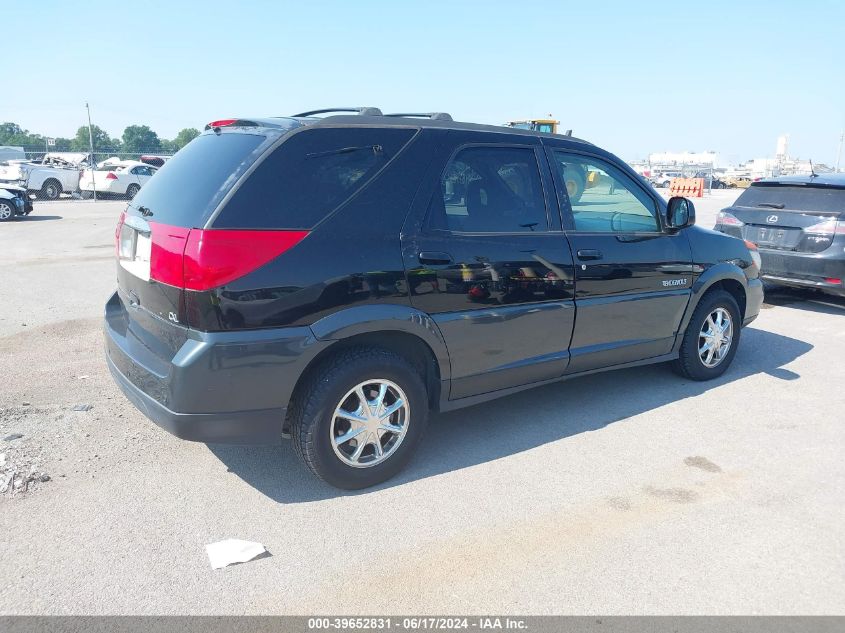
{"x": 798, "y": 223}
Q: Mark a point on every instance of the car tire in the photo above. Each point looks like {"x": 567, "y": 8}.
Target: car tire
{"x": 575, "y": 183}
{"x": 50, "y": 190}
{"x": 86, "y": 195}
{"x": 132, "y": 191}
{"x": 692, "y": 361}
{"x": 334, "y": 386}
{"x": 7, "y": 211}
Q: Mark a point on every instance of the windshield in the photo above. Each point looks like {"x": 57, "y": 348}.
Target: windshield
{"x": 187, "y": 189}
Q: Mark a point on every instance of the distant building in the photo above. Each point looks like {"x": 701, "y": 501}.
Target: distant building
{"x": 689, "y": 163}
{"x": 683, "y": 159}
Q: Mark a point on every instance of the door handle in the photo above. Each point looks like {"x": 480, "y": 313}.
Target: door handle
{"x": 589, "y": 253}
{"x": 435, "y": 257}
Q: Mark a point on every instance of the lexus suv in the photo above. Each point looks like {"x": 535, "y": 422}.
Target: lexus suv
{"x": 335, "y": 276}
{"x": 798, "y": 222}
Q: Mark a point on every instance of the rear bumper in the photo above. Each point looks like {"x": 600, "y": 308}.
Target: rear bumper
{"x": 816, "y": 284}
{"x": 262, "y": 426}
{"x": 113, "y": 186}
{"x": 222, "y": 387}
{"x": 806, "y": 270}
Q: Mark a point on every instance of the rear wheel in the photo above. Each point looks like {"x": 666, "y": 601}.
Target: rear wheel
{"x": 51, "y": 190}
{"x": 358, "y": 419}
{"x": 7, "y": 211}
{"x": 132, "y": 191}
{"x": 711, "y": 339}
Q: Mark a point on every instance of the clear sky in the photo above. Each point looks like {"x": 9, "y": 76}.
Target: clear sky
{"x": 633, "y": 77}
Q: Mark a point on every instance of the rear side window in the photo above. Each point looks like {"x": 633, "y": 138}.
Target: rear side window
{"x": 309, "y": 176}
{"x": 187, "y": 189}
{"x": 794, "y": 197}
{"x": 490, "y": 190}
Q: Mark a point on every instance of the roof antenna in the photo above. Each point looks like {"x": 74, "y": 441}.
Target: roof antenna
{"x": 813, "y": 173}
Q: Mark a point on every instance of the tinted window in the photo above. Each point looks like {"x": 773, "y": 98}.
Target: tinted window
{"x": 189, "y": 186}
{"x": 603, "y": 198}
{"x": 490, "y": 190}
{"x": 310, "y": 175}
{"x": 796, "y": 197}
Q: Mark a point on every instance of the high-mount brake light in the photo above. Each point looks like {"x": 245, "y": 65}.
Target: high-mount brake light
{"x": 221, "y": 123}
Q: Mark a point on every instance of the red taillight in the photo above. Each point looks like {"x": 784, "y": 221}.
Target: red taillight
{"x": 828, "y": 226}
{"x": 111, "y": 176}
{"x": 216, "y": 257}
{"x": 221, "y": 123}
{"x": 119, "y": 226}
{"x": 728, "y": 219}
{"x": 200, "y": 259}
{"x": 167, "y": 251}
{"x": 833, "y": 280}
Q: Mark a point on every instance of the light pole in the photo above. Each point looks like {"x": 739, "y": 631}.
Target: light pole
{"x": 91, "y": 147}
{"x": 839, "y": 153}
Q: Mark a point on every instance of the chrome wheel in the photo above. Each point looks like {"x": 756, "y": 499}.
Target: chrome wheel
{"x": 6, "y": 211}
{"x": 715, "y": 337}
{"x": 370, "y": 423}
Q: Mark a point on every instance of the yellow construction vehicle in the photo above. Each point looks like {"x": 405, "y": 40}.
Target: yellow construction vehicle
{"x": 538, "y": 125}
{"x": 577, "y": 178}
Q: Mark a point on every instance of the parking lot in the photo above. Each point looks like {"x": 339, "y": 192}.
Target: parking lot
{"x": 627, "y": 492}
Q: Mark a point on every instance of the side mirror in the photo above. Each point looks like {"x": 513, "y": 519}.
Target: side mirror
{"x": 680, "y": 213}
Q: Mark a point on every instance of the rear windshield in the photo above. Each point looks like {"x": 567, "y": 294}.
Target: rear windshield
{"x": 794, "y": 197}
{"x": 310, "y": 175}
{"x": 188, "y": 187}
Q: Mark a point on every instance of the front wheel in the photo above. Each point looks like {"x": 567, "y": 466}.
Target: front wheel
{"x": 711, "y": 338}
{"x": 358, "y": 419}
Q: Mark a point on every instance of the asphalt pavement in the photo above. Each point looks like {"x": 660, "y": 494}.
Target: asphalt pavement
{"x": 627, "y": 492}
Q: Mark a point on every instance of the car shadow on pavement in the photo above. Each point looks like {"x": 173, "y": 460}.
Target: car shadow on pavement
{"x": 809, "y": 300}
{"x": 510, "y": 425}
{"x": 38, "y": 218}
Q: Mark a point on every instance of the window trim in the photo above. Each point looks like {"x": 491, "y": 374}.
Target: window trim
{"x": 566, "y": 211}
{"x": 438, "y": 191}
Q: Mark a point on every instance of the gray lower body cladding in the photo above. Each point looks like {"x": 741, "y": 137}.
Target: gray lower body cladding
{"x": 227, "y": 387}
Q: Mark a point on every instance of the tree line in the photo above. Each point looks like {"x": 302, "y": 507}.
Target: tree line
{"x": 135, "y": 139}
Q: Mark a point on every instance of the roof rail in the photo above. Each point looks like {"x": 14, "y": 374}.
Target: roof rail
{"x": 363, "y": 111}
{"x": 434, "y": 116}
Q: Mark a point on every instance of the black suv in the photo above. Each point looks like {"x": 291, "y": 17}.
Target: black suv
{"x": 336, "y": 279}
{"x": 799, "y": 224}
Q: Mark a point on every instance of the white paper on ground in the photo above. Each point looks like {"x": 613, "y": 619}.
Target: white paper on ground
{"x": 231, "y": 551}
